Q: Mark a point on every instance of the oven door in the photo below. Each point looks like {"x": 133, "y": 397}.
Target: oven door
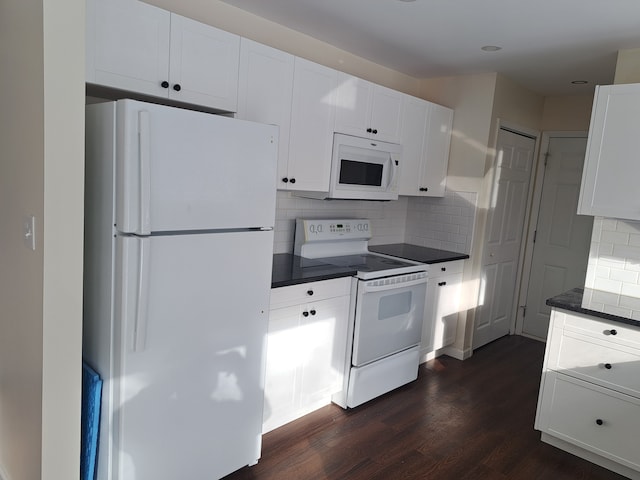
{"x": 389, "y": 315}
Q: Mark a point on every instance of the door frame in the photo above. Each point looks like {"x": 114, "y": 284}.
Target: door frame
{"x": 532, "y": 222}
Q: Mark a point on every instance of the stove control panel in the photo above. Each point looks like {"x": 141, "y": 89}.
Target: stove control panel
{"x": 329, "y": 238}
{"x": 332, "y": 230}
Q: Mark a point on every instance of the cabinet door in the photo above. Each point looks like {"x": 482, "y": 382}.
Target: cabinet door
{"x": 265, "y": 93}
{"x": 447, "y": 306}
{"x": 386, "y": 111}
{"x": 127, "y": 46}
{"x": 611, "y": 171}
{"x": 353, "y": 105}
{"x": 204, "y": 64}
{"x": 436, "y": 151}
{"x": 312, "y": 122}
{"x": 415, "y": 113}
{"x": 324, "y": 337}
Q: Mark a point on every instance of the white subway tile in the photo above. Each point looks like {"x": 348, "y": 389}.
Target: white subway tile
{"x": 634, "y": 240}
{"x": 631, "y": 290}
{"x": 616, "y": 238}
{"x": 627, "y": 226}
{"x": 625, "y": 251}
{"x": 625, "y": 276}
{"x": 607, "y": 285}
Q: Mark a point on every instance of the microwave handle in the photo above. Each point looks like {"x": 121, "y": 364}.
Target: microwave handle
{"x": 394, "y": 171}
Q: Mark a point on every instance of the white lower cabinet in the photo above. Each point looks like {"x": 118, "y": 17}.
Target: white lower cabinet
{"x": 442, "y": 304}
{"x": 306, "y": 349}
{"x": 589, "y": 402}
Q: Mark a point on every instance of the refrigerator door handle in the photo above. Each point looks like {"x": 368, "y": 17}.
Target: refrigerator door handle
{"x": 142, "y": 294}
{"x": 144, "y": 173}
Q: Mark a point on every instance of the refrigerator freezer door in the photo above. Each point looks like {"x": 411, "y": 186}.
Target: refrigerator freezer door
{"x": 189, "y": 398}
{"x": 180, "y": 170}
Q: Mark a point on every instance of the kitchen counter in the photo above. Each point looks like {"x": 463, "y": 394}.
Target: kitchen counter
{"x": 291, "y": 269}
{"x": 417, "y": 254}
{"x": 610, "y": 306}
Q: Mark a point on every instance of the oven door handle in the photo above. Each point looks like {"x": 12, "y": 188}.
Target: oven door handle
{"x": 367, "y": 288}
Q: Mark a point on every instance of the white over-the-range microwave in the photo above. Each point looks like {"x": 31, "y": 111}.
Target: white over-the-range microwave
{"x": 362, "y": 169}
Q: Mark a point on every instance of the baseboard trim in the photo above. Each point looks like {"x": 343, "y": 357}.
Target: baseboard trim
{"x": 457, "y": 353}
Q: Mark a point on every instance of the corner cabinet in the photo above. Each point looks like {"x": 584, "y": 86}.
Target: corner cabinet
{"x": 306, "y": 348}
{"x": 364, "y": 109}
{"x": 611, "y": 170}
{"x": 425, "y": 137}
{"x": 140, "y": 48}
{"x": 311, "y": 136}
{"x": 442, "y": 304}
{"x": 589, "y": 402}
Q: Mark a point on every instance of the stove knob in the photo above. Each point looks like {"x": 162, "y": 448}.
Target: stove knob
{"x": 305, "y": 314}
{"x": 309, "y": 292}
{"x": 313, "y": 312}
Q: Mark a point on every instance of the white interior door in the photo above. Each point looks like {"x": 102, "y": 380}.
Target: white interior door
{"x": 503, "y": 238}
{"x": 193, "y": 321}
{"x": 562, "y": 239}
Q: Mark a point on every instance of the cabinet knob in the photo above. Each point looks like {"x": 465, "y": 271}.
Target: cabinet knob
{"x": 285, "y": 180}
{"x": 369, "y": 130}
{"x": 444, "y": 269}
{"x": 313, "y": 312}
{"x": 442, "y": 284}
{"x": 613, "y": 331}
{"x": 599, "y": 421}
{"x": 309, "y": 292}
{"x": 305, "y": 314}
{"x": 164, "y": 84}
{"x": 177, "y": 87}
{"x": 607, "y": 366}
{"x": 292, "y": 180}
{"x": 375, "y": 131}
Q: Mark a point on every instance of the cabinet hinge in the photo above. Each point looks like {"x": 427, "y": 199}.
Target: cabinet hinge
{"x": 535, "y": 235}
{"x": 546, "y": 158}
{"x": 524, "y": 310}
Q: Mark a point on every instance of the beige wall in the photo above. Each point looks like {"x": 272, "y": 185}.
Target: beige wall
{"x": 628, "y": 66}
{"x": 42, "y": 124}
{"x": 567, "y": 113}
{"x": 235, "y": 20}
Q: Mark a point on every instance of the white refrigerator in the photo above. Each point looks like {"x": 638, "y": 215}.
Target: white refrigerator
{"x": 179, "y": 217}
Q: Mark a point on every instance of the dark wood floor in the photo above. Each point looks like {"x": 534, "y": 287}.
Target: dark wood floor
{"x": 459, "y": 420}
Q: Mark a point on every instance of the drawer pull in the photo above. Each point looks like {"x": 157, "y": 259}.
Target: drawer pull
{"x": 607, "y": 366}
{"x": 599, "y": 421}
{"x": 309, "y": 292}
{"x": 442, "y": 284}
{"x": 613, "y": 331}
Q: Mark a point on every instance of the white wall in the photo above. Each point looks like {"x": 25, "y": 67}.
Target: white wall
{"x": 41, "y": 174}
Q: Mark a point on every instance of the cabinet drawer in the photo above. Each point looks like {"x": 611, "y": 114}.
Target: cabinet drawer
{"x": 307, "y": 292}
{"x": 613, "y": 332}
{"x": 445, "y": 268}
{"x": 591, "y": 417}
{"x": 610, "y": 365}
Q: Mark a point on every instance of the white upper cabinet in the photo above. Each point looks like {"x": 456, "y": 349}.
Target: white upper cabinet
{"x": 611, "y": 170}
{"x": 265, "y": 93}
{"x": 367, "y": 110}
{"x": 140, "y": 48}
{"x": 311, "y": 134}
{"x": 425, "y": 139}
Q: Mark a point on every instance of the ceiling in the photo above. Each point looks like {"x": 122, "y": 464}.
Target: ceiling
{"x": 545, "y": 44}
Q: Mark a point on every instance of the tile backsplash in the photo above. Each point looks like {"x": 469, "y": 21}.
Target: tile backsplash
{"x": 614, "y": 258}
{"x": 445, "y": 223}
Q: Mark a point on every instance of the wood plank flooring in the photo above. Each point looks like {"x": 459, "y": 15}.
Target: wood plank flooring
{"x": 459, "y": 420}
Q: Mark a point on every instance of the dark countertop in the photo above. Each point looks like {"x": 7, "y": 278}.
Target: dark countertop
{"x": 292, "y": 270}
{"x": 417, "y": 254}
{"x": 599, "y": 304}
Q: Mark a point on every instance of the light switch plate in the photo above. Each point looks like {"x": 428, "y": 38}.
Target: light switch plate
{"x": 29, "y": 232}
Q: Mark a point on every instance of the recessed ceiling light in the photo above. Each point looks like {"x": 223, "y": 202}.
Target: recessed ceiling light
{"x": 491, "y": 48}
{"x": 580, "y": 82}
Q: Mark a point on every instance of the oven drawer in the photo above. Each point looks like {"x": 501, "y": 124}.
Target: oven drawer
{"x": 309, "y": 292}
{"x": 591, "y": 417}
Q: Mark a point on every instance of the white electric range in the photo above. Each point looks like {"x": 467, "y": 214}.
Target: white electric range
{"x": 387, "y": 307}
